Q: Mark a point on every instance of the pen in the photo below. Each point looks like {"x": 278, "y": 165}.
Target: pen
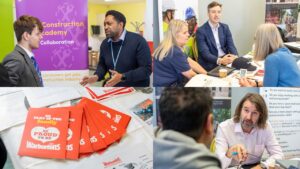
{"x": 240, "y": 161}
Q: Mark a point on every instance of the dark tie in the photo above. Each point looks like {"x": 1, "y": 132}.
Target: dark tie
{"x": 36, "y": 66}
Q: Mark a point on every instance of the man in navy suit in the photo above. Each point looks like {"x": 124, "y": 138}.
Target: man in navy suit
{"x": 214, "y": 40}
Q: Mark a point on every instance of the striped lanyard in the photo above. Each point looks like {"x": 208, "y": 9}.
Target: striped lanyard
{"x": 115, "y": 61}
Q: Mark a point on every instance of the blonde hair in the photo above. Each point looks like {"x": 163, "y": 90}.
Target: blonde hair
{"x": 267, "y": 41}
{"x": 165, "y": 46}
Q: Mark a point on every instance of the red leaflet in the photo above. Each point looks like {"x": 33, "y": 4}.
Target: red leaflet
{"x": 45, "y": 133}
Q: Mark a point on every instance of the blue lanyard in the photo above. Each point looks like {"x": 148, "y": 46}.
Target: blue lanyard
{"x": 115, "y": 61}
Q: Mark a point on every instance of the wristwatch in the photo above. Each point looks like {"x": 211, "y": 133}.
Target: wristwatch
{"x": 123, "y": 78}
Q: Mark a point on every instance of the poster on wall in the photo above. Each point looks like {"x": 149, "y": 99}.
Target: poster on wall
{"x": 284, "y": 116}
{"x": 63, "y": 51}
{"x": 283, "y": 13}
{"x": 221, "y": 105}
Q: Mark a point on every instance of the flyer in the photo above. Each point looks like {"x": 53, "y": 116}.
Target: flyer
{"x": 45, "y": 133}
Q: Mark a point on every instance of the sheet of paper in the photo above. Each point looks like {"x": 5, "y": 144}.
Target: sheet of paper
{"x": 13, "y": 110}
{"x": 201, "y": 80}
{"x": 128, "y": 157}
{"x": 8, "y": 90}
{"x": 126, "y": 103}
{"x": 42, "y": 97}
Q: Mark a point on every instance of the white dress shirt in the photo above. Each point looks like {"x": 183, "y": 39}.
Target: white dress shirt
{"x": 230, "y": 133}
{"x": 29, "y": 53}
{"x": 215, "y": 31}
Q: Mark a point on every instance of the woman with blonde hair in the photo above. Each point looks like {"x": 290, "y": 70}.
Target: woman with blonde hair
{"x": 171, "y": 65}
{"x": 280, "y": 65}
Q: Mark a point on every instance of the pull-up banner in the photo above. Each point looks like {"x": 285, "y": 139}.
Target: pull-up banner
{"x": 284, "y": 116}
{"x": 63, "y": 52}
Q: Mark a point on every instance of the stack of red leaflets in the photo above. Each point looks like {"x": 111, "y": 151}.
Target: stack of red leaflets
{"x": 72, "y": 132}
{"x": 113, "y": 92}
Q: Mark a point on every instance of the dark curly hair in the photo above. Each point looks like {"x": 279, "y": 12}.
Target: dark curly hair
{"x": 185, "y": 110}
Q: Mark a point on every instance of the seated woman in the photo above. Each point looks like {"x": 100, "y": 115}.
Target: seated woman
{"x": 280, "y": 65}
{"x": 171, "y": 65}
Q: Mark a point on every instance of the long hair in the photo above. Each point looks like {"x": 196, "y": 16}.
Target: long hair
{"x": 260, "y": 105}
{"x": 165, "y": 46}
{"x": 267, "y": 41}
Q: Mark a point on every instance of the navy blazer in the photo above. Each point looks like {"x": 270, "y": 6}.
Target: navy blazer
{"x": 207, "y": 48}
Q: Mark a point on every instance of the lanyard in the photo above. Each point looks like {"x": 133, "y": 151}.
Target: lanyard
{"x": 115, "y": 61}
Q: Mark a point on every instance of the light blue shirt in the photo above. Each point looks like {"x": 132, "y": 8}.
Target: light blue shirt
{"x": 281, "y": 70}
{"x": 122, "y": 37}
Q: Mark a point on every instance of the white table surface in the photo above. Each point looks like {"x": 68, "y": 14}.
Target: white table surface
{"x": 14, "y": 111}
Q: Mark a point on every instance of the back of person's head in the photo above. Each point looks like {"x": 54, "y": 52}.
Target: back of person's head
{"x": 213, "y": 4}
{"x": 260, "y": 106}
{"x": 164, "y": 47}
{"x": 267, "y": 41}
{"x": 26, "y": 23}
{"x": 119, "y": 17}
{"x": 185, "y": 110}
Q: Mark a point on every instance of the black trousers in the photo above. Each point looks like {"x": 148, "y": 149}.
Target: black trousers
{"x": 3, "y": 154}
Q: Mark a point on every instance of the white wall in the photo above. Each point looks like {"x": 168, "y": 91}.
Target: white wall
{"x": 181, "y": 7}
{"x": 242, "y": 16}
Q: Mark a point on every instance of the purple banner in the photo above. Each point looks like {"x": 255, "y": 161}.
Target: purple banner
{"x": 65, "y": 43}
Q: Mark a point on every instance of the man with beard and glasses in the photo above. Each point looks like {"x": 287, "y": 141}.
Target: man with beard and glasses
{"x": 243, "y": 139}
{"x": 125, "y": 55}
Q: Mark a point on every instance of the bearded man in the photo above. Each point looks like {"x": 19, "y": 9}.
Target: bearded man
{"x": 243, "y": 139}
